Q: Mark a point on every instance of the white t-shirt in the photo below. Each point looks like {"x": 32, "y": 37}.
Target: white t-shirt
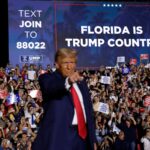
{"x": 146, "y": 143}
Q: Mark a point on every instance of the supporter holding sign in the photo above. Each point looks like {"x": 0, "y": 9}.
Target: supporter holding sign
{"x": 105, "y": 80}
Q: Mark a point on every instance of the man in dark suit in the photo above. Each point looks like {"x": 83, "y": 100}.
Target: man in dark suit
{"x": 64, "y": 125}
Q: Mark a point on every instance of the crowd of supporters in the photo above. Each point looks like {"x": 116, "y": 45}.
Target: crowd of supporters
{"x": 121, "y": 106}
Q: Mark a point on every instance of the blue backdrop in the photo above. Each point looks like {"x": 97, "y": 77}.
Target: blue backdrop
{"x": 99, "y": 31}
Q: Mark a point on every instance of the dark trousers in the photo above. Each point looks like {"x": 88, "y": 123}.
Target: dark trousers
{"x": 76, "y": 142}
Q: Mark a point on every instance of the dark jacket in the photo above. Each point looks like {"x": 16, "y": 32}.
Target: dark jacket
{"x": 54, "y": 131}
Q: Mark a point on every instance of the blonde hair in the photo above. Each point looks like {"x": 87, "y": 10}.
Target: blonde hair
{"x": 65, "y": 52}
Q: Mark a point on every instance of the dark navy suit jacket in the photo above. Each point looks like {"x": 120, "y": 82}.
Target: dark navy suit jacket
{"x": 55, "y": 127}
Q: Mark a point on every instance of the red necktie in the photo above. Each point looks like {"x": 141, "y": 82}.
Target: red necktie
{"x": 80, "y": 116}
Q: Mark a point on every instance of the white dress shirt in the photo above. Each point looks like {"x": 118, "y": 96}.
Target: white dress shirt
{"x": 67, "y": 85}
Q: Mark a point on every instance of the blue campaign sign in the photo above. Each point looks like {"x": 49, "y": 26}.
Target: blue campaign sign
{"x": 99, "y": 31}
{"x": 31, "y": 32}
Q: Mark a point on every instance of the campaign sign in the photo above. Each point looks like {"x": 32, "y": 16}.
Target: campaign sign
{"x": 105, "y": 80}
{"x": 144, "y": 56}
{"x": 133, "y": 61}
{"x": 104, "y": 108}
{"x": 35, "y": 93}
{"x": 99, "y": 31}
{"x": 120, "y": 59}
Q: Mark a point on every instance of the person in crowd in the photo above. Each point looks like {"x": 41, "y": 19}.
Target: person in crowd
{"x": 147, "y": 122}
{"x": 106, "y": 143}
{"x": 145, "y": 140}
{"x": 128, "y": 126}
{"x": 2, "y": 135}
{"x": 120, "y": 143}
{"x": 23, "y": 140}
{"x": 68, "y": 122}
{"x": 6, "y": 144}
